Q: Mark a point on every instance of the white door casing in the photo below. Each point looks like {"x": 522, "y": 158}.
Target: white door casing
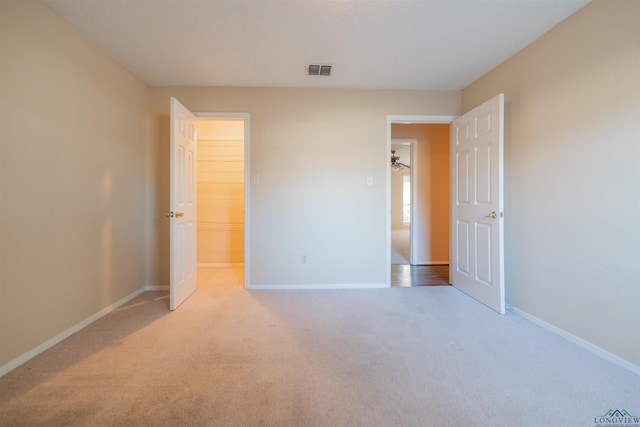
{"x": 183, "y": 204}
{"x": 477, "y": 224}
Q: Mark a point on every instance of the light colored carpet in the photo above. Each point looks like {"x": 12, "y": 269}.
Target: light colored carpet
{"x": 425, "y": 356}
{"x": 400, "y": 246}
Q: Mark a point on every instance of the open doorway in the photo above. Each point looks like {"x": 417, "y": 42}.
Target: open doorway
{"x": 426, "y": 139}
{"x": 220, "y": 178}
{"x": 184, "y": 197}
{"x": 401, "y": 201}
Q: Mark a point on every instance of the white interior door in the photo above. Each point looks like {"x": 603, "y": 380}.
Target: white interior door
{"x": 183, "y": 204}
{"x": 477, "y": 229}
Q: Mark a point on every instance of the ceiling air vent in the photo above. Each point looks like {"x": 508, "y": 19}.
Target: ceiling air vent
{"x": 319, "y": 70}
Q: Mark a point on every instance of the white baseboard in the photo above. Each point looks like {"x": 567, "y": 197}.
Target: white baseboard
{"x": 219, "y": 264}
{"x": 20, "y": 360}
{"x": 610, "y": 357}
{"x": 319, "y": 286}
{"x": 156, "y": 288}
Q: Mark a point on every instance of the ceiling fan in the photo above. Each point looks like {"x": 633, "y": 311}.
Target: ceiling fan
{"x": 395, "y": 164}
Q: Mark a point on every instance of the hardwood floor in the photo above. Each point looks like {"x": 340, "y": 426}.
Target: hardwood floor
{"x": 405, "y": 275}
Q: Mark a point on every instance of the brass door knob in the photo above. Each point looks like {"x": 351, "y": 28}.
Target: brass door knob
{"x": 492, "y": 215}
{"x": 179, "y": 214}
{"x": 169, "y": 214}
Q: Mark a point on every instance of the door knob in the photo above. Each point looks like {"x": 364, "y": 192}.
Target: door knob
{"x": 181, "y": 214}
{"x": 169, "y": 214}
{"x": 492, "y": 215}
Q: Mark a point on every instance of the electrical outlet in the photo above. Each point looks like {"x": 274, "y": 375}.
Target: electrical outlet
{"x": 303, "y": 259}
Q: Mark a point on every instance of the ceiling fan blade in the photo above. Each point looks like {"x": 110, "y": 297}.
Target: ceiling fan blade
{"x": 406, "y": 166}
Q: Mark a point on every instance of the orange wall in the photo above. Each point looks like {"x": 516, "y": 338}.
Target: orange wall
{"x": 431, "y": 221}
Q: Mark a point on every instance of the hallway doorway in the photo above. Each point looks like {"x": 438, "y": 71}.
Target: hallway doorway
{"x": 220, "y": 175}
{"x": 428, "y": 239}
{"x": 401, "y": 200}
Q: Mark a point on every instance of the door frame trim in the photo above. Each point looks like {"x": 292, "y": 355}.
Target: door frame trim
{"x": 247, "y": 183}
{"x": 409, "y": 120}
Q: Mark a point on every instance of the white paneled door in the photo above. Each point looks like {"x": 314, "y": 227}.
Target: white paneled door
{"x": 183, "y": 204}
{"x": 477, "y": 229}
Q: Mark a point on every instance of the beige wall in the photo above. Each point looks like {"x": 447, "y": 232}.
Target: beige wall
{"x": 220, "y": 192}
{"x": 73, "y": 211}
{"x": 313, "y": 150}
{"x": 431, "y": 167}
{"x": 572, "y": 172}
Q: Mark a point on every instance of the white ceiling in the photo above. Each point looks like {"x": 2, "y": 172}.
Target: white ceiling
{"x": 376, "y": 44}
